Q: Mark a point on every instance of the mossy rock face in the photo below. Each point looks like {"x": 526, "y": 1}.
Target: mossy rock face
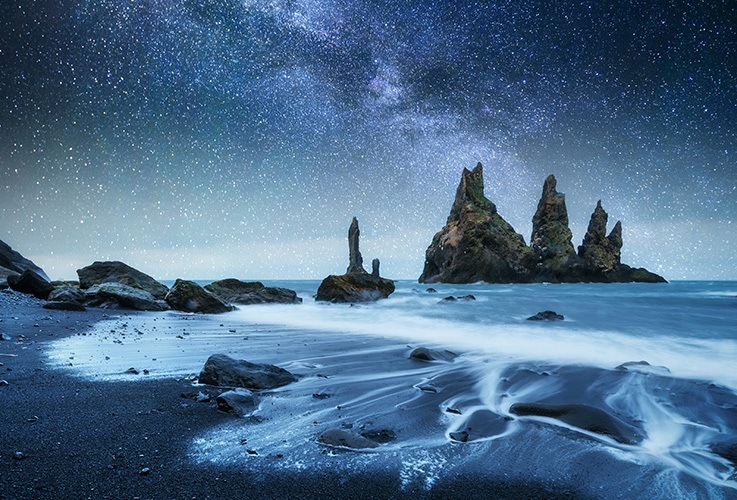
{"x": 354, "y": 287}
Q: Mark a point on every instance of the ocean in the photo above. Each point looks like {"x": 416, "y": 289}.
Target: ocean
{"x": 677, "y": 412}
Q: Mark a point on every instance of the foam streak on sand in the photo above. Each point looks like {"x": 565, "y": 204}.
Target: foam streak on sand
{"x": 455, "y": 418}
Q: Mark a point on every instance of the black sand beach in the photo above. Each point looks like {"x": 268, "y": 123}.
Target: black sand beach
{"x": 66, "y": 436}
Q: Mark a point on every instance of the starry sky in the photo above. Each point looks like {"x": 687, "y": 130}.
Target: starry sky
{"x": 215, "y": 138}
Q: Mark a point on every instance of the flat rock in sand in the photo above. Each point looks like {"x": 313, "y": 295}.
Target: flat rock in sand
{"x": 343, "y": 439}
{"x": 222, "y": 370}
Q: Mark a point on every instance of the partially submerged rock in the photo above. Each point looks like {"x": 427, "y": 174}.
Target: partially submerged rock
{"x": 642, "y": 367}
{"x": 344, "y": 439}
{"x": 426, "y": 354}
{"x": 356, "y": 285}
{"x": 546, "y": 316}
{"x": 222, "y": 370}
{"x": 31, "y": 283}
{"x": 188, "y": 296}
{"x": 118, "y": 272}
{"x": 235, "y": 291}
{"x": 582, "y": 416}
{"x": 118, "y": 295}
{"x": 239, "y": 401}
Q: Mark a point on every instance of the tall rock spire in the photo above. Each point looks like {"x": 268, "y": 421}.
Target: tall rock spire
{"x": 355, "y": 263}
{"x": 601, "y": 253}
{"x": 551, "y": 237}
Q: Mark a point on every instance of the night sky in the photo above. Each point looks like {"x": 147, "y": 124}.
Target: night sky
{"x": 210, "y": 139}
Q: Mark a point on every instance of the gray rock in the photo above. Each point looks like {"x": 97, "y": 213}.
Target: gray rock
{"x": 118, "y": 272}
{"x": 188, "y": 296}
{"x": 64, "y": 305}
{"x": 546, "y": 316}
{"x": 67, "y": 293}
{"x": 119, "y": 295}
{"x": 343, "y": 439}
{"x": 222, "y": 370}
{"x": 375, "y": 267}
{"x": 425, "y": 354}
{"x": 12, "y": 260}
{"x": 31, "y": 283}
{"x": 240, "y": 402}
{"x": 234, "y": 291}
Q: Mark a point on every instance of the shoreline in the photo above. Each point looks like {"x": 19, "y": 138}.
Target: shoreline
{"x": 92, "y": 439}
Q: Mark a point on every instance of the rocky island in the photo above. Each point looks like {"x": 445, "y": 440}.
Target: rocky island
{"x": 477, "y": 244}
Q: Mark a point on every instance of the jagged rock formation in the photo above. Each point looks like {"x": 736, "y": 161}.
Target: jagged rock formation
{"x": 118, "y": 272}
{"x": 12, "y": 260}
{"x": 355, "y": 261}
{"x": 552, "y": 250}
{"x": 356, "y": 285}
{"x": 235, "y": 291}
{"x": 477, "y": 244}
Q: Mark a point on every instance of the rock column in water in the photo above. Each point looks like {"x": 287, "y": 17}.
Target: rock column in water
{"x": 355, "y": 264}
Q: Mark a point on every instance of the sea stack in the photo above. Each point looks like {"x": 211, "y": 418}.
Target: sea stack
{"x": 477, "y": 244}
{"x": 356, "y": 285}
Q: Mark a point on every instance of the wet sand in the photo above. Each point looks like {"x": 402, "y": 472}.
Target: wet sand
{"x": 134, "y": 438}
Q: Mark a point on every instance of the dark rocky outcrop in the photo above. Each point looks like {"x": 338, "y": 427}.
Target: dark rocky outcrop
{"x": 546, "y": 316}
{"x": 356, "y": 285}
{"x": 426, "y": 354}
{"x": 118, "y": 272}
{"x": 582, "y": 416}
{"x": 235, "y": 291}
{"x": 239, "y": 401}
{"x": 12, "y": 260}
{"x": 4, "y": 273}
{"x": 188, "y": 296}
{"x": 117, "y": 295}
{"x": 552, "y": 250}
{"x": 343, "y": 439}
{"x": 476, "y": 244}
{"x": 67, "y": 293}
{"x": 31, "y": 283}
{"x": 222, "y": 370}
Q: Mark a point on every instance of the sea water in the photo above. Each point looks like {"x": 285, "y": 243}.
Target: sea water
{"x": 681, "y": 404}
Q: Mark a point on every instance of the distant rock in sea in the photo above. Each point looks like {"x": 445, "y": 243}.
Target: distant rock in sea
{"x": 13, "y": 261}
{"x": 356, "y": 285}
{"x": 477, "y": 244}
{"x": 188, "y": 296}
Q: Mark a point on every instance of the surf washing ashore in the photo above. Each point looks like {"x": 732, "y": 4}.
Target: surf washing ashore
{"x": 632, "y": 395}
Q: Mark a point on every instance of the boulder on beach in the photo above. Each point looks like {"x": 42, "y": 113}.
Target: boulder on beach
{"x": 582, "y": 416}
{"x": 425, "y": 354}
{"x": 356, "y": 285}
{"x": 239, "y": 401}
{"x": 114, "y": 295}
{"x": 118, "y": 272}
{"x": 31, "y": 283}
{"x": 342, "y": 438}
{"x": 66, "y": 293}
{"x": 235, "y": 291}
{"x": 546, "y": 316}
{"x": 64, "y": 305}
{"x": 222, "y": 370}
{"x": 4, "y": 273}
{"x": 188, "y": 296}
{"x": 12, "y": 260}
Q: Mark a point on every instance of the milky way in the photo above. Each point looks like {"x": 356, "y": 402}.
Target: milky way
{"x": 207, "y": 139}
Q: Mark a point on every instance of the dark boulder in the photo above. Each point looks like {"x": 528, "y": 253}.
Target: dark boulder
{"x": 239, "y": 401}
{"x": 188, "y": 296}
{"x": 31, "y": 283}
{"x": 234, "y": 291}
{"x": 476, "y": 243}
{"x": 222, "y": 370}
{"x": 64, "y": 305}
{"x": 546, "y": 316}
{"x": 4, "y": 273}
{"x": 118, "y": 272}
{"x": 425, "y": 354}
{"x": 12, "y": 260}
{"x": 343, "y": 439}
{"x": 354, "y": 288}
{"x": 114, "y": 295}
{"x": 67, "y": 293}
{"x": 584, "y": 417}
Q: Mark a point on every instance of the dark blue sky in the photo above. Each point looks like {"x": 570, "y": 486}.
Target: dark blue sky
{"x": 237, "y": 138}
